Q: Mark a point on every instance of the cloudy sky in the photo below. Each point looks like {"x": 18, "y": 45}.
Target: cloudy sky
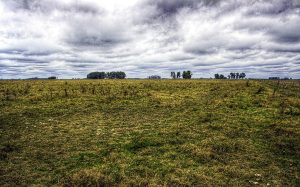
{"x": 69, "y": 38}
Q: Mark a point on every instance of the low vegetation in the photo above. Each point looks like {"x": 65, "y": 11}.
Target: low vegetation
{"x": 149, "y": 133}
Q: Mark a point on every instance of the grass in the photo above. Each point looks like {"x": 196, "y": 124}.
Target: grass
{"x": 150, "y": 133}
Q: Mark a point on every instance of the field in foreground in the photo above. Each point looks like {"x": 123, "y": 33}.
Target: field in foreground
{"x": 150, "y": 133}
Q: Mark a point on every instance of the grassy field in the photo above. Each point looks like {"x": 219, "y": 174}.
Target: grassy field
{"x": 150, "y": 133}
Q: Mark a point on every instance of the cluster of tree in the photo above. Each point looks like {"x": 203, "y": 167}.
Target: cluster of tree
{"x": 108, "y": 75}
{"x": 220, "y": 76}
{"x": 175, "y": 75}
{"x": 52, "y": 78}
{"x": 274, "y": 78}
{"x": 231, "y": 76}
{"x": 184, "y": 75}
{"x": 154, "y": 77}
{"x": 237, "y": 75}
{"x": 116, "y": 75}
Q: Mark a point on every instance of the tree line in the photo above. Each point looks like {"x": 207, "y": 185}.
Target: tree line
{"x": 107, "y": 75}
{"x": 231, "y": 76}
{"x": 174, "y": 75}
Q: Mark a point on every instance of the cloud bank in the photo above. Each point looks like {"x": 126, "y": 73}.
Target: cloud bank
{"x": 144, "y": 37}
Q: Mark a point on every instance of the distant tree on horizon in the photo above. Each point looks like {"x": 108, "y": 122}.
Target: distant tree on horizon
{"x": 108, "y": 75}
{"x": 96, "y": 75}
{"x": 274, "y": 78}
{"x": 232, "y": 75}
{"x": 52, "y": 78}
{"x": 173, "y": 75}
{"x": 187, "y": 74}
{"x": 220, "y": 76}
{"x": 242, "y": 75}
{"x": 116, "y": 75}
{"x": 237, "y": 75}
{"x": 178, "y": 75}
{"x": 154, "y": 77}
{"x": 217, "y": 76}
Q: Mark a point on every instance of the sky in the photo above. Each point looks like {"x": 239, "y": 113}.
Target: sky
{"x": 70, "y": 38}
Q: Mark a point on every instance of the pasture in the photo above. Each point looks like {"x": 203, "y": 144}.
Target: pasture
{"x": 149, "y": 133}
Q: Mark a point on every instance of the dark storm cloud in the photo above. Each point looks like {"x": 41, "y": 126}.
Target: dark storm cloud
{"x": 142, "y": 37}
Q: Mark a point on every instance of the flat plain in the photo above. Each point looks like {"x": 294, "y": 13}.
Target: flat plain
{"x": 149, "y": 133}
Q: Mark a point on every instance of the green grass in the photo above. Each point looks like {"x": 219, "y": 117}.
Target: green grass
{"x": 150, "y": 133}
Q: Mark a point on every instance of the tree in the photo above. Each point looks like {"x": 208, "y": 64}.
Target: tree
{"x": 187, "y": 74}
{"x": 178, "y": 75}
{"x": 96, "y": 75}
{"x": 173, "y": 75}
